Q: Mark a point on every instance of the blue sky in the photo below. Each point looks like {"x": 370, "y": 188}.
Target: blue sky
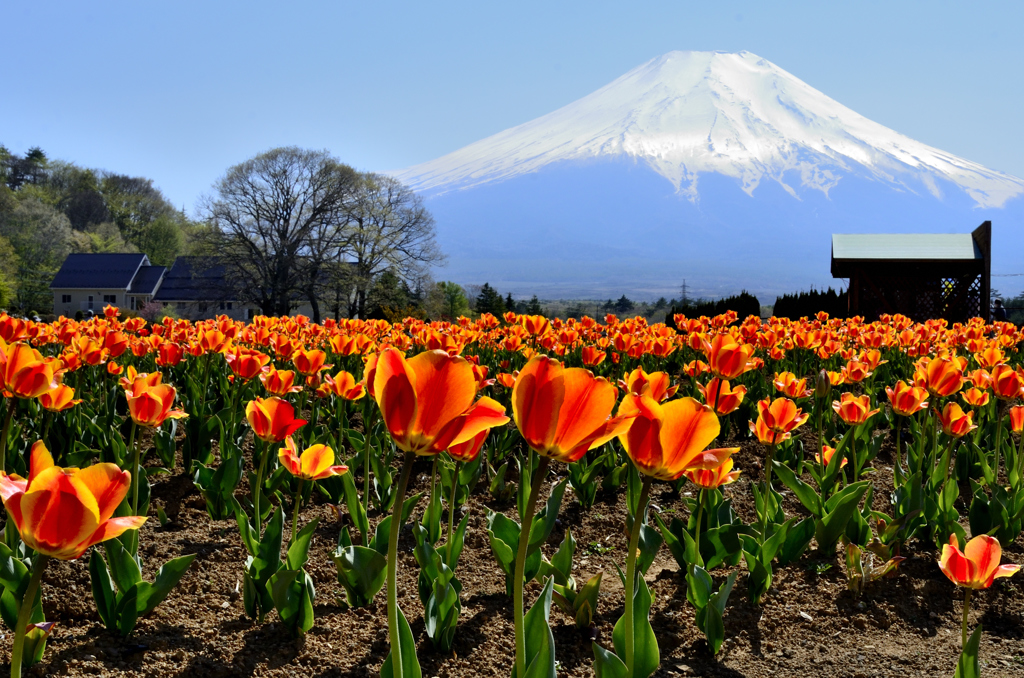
{"x": 179, "y": 91}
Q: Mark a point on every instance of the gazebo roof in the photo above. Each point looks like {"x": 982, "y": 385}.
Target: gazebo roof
{"x": 905, "y": 246}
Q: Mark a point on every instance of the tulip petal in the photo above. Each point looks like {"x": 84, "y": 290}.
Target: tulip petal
{"x": 57, "y": 513}
{"x": 445, "y": 388}
{"x": 395, "y": 389}
{"x": 983, "y": 553}
{"x": 537, "y": 398}
{"x": 587, "y": 403}
{"x": 114, "y": 527}
{"x": 953, "y": 563}
{"x": 688, "y": 428}
{"x": 39, "y": 461}
{"x": 315, "y": 460}
{"x": 107, "y": 484}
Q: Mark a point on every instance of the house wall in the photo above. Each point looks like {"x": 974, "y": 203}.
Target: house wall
{"x": 80, "y": 300}
{"x": 192, "y": 310}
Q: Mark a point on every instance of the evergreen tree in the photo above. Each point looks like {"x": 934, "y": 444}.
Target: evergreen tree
{"x": 510, "y": 303}
{"x": 533, "y": 308}
{"x": 489, "y": 301}
{"x": 623, "y": 305}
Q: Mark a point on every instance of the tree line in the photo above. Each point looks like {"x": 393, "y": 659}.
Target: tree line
{"x": 51, "y": 208}
{"x": 290, "y": 226}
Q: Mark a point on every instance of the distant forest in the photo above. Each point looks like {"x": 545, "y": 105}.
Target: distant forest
{"x": 51, "y": 208}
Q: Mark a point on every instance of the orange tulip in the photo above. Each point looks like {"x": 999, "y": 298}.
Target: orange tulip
{"x": 977, "y": 566}
{"x": 468, "y": 450}
{"x": 427, "y": 401}
{"x": 829, "y": 453}
{"x": 507, "y": 380}
{"x": 1007, "y": 383}
{"x": 245, "y": 363}
{"x": 836, "y": 378}
{"x": 980, "y": 378}
{"x": 59, "y": 399}
{"x": 62, "y": 512}
{"x": 656, "y": 384}
{"x": 1017, "y": 418}
{"x": 710, "y": 479}
{"x": 665, "y": 440}
{"x": 593, "y": 356}
{"x": 341, "y": 385}
{"x": 26, "y": 374}
{"x": 309, "y": 362}
{"x": 169, "y": 354}
{"x": 719, "y": 396}
{"x": 955, "y": 422}
{"x": 788, "y": 385}
{"x": 695, "y": 368}
{"x": 975, "y": 397}
{"x": 272, "y": 419}
{"x": 906, "y": 399}
{"x": 776, "y": 419}
{"x": 563, "y": 412}
{"x": 727, "y": 358}
{"x": 940, "y": 376}
{"x": 152, "y": 406}
{"x": 854, "y": 410}
{"x": 315, "y": 463}
{"x": 279, "y": 382}
{"x": 134, "y": 383}
{"x": 856, "y": 372}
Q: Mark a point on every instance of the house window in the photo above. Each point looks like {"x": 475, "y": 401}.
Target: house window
{"x": 250, "y": 314}
{"x": 180, "y": 305}
{"x": 109, "y": 298}
{"x": 222, "y": 305}
{"x": 229, "y": 305}
{"x": 65, "y": 298}
{"x": 202, "y": 308}
{"x": 90, "y": 298}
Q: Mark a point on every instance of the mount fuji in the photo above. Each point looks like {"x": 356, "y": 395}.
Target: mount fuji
{"x": 718, "y": 168}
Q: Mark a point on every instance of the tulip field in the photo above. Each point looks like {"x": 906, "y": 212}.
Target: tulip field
{"x": 512, "y": 496}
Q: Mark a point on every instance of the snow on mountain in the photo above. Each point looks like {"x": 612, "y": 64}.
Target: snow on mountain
{"x": 691, "y": 113}
{"x": 720, "y": 168}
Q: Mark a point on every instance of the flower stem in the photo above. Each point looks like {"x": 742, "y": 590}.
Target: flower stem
{"x": 634, "y": 540}
{"x": 25, "y": 613}
{"x": 366, "y": 463}
{"x": 257, "y": 487}
{"x": 999, "y": 438}
{"x": 134, "y": 448}
{"x": 11, "y": 403}
{"x": 963, "y": 626}
{"x": 295, "y": 510}
{"x": 396, "y": 530}
{"x": 451, "y": 512}
{"x": 696, "y": 528}
{"x": 517, "y": 581}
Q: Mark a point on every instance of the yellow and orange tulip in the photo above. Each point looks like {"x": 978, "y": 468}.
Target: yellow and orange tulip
{"x": 62, "y": 512}
{"x": 315, "y": 462}
{"x": 563, "y": 412}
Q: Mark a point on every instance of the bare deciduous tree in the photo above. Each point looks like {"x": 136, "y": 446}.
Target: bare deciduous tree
{"x": 279, "y": 223}
{"x": 387, "y": 228}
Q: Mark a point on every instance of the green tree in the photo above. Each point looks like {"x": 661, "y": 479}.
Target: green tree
{"x": 489, "y": 301}
{"x": 41, "y": 239}
{"x": 452, "y": 298}
{"x": 388, "y": 296}
{"x": 534, "y": 307}
{"x": 510, "y": 303}
{"x": 623, "y": 305}
{"x": 162, "y": 240}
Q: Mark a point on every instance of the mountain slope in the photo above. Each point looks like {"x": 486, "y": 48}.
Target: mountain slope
{"x": 723, "y": 154}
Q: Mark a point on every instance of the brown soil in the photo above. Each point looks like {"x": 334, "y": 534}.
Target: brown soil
{"x": 810, "y": 625}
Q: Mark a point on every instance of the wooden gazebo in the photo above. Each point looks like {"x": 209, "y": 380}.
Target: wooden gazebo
{"x": 921, "y": 275}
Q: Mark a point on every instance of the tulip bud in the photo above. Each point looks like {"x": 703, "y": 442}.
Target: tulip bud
{"x": 823, "y": 386}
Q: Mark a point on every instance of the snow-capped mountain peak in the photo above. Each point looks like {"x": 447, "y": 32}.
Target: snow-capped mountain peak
{"x": 685, "y": 114}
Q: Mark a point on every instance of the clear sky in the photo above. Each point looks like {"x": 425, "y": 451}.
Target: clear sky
{"x": 179, "y": 91}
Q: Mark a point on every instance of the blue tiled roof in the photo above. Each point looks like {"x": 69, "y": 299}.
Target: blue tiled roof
{"x": 195, "y": 279}
{"x": 98, "y": 271}
{"x": 147, "y": 279}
